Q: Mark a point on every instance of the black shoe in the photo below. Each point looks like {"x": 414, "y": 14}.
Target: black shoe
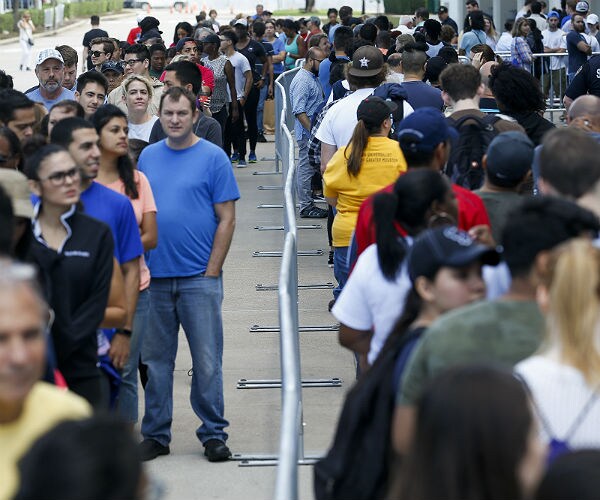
{"x": 261, "y": 138}
{"x": 150, "y": 449}
{"x": 330, "y": 305}
{"x": 330, "y": 259}
{"x": 216, "y": 450}
{"x": 313, "y": 213}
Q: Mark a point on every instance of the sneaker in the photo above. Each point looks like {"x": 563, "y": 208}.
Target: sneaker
{"x": 313, "y": 213}
{"x": 150, "y": 449}
{"x": 252, "y": 157}
{"x": 261, "y": 138}
{"x": 235, "y": 157}
{"x": 241, "y": 163}
{"x": 330, "y": 259}
{"x": 330, "y": 305}
{"x": 216, "y": 450}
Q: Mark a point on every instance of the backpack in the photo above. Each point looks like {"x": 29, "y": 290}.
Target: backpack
{"x": 557, "y": 446}
{"x": 396, "y": 93}
{"x": 474, "y": 136}
{"x": 357, "y": 465}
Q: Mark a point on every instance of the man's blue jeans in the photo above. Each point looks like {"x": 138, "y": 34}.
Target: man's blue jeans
{"x": 128, "y": 393}
{"x": 195, "y": 304}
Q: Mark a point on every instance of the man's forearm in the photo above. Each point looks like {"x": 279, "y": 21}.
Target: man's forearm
{"x": 221, "y": 244}
{"x": 131, "y": 278}
{"x": 304, "y": 120}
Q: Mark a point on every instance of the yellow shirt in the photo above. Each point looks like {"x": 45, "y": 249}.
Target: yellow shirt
{"x": 382, "y": 163}
{"x": 45, "y": 407}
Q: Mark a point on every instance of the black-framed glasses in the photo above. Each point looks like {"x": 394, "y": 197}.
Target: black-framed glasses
{"x": 97, "y": 53}
{"x": 6, "y": 159}
{"x": 59, "y": 178}
{"x": 131, "y": 62}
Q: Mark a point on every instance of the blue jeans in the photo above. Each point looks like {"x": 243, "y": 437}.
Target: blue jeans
{"x": 128, "y": 394}
{"x": 195, "y": 304}
{"x": 340, "y": 269}
{"x": 261, "y": 106}
{"x": 304, "y": 174}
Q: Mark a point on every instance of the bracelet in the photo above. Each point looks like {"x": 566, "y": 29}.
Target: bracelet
{"x": 123, "y": 331}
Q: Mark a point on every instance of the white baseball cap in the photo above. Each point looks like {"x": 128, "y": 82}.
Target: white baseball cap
{"x": 592, "y": 19}
{"x": 45, "y": 54}
{"x": 241, "y": 21}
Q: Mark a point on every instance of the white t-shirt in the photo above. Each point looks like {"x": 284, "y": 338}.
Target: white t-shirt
{"x": 556, "y": 40}
{"x": 141, "y": 130}
{"x": 240, "y": 66}
{"x": 369, "y": 301}
{"x": 504, "y": 43}
{"x": 339, "y": 121}
{"x": 432, "y": 50}
{"x": 560, "y": 392}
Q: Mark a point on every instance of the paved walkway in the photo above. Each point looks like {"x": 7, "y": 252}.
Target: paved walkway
{"x": 254, "y": 415}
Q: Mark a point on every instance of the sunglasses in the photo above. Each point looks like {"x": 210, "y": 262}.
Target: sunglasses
{"x": 97, "y": 53}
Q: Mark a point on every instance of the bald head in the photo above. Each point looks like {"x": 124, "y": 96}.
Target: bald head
{"x": 584, "y": 113}
{"x": 315, "y": 53}
{"x": 486, "y": 70}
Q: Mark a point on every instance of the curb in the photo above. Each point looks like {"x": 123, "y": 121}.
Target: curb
{"x": 80, "y": 22}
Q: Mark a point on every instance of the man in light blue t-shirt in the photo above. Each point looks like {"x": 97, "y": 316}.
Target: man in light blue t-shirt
{"x": 195, "y": 193}
{"x": 50, "y": 71}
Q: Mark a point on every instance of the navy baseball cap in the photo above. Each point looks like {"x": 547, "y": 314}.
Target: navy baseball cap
{"x": 446, "y": 247}
{"x": 424, "y": 129}
{"x": 373, "y": 110}
{"x": 112, "y": 66}
{"x": 509, "y": 158}
{"x": 182, "y": 42}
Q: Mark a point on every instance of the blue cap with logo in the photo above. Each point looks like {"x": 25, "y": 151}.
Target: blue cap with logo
{"x": 424, "y": 129}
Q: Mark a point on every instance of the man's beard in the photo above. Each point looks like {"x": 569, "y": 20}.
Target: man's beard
{"x": 51, "y": 86}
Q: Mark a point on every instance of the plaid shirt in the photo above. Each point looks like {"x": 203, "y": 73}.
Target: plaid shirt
{"x": 306, "y": 95}
{"x": 520, "y": 53}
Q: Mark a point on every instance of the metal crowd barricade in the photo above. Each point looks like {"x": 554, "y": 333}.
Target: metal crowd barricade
{"x": 553, "y": 82}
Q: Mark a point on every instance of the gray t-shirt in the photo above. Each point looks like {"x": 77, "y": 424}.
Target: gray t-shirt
{"x": 498, "y": 206}
{"x": 500, "y": 332}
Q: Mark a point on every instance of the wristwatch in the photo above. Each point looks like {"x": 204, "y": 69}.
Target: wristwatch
{"x": 123, "y": 331}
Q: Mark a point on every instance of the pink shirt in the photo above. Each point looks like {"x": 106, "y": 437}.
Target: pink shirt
{"x": 144, "y": 203}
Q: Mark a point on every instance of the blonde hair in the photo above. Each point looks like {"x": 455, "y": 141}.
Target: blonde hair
{"x": 138, "y": 78}
{"x": 572, "y": 323}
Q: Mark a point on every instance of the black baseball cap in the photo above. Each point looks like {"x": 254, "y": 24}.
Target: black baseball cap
{"x": 446, "y": 247}
{"x": 112, "y": 66}
{"x": 443, "y": 9}
{"x": 373, "y": 110}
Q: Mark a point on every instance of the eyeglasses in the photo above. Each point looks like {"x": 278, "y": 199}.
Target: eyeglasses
{"x": 6, "y": 159}
{"x": 59, "y": 178}
{"x": 131, "y": 62}
{"x": 97, "y": 53}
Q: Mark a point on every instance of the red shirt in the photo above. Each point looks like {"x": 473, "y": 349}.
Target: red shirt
{"x": 133, "y": 35}
{"x": 471, "y": 212}
{"x": 208, "y": 77}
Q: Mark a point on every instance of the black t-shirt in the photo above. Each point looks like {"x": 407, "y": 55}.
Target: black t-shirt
{"x": 270, "y": 52}
{"x": 254, "y": 52}
{"x": 587, "y": 80}
{"x": 88, "y": 37}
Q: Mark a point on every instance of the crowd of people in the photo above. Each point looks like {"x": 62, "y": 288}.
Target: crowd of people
{"x": 462, "y": 225}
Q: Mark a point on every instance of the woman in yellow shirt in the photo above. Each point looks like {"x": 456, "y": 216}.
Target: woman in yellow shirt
{"x": 370, "y": 162}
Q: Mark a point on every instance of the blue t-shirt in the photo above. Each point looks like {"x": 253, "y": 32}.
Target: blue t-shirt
{"x": 278, "y": 46}
{"x": 186, "y": 185}
{"x": 421, "y": 95}
{"x": 470, "y": 39}
{"x": 324, "y": 72}
{"x": 36, "y": 96}
{"x": 115, "y": 210}
{"x": 576, "y": 57}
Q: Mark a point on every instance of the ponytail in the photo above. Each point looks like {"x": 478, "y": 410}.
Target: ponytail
{"x": 390, "y": 251}
{"x": 357, "y": 145}
{"x": 412, "y": 308}
{"x": 408, "y": 205}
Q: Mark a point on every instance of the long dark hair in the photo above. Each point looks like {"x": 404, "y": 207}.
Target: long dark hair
{"x": 186, "y": 26}
{"x": 407, "y": 204}
{"x": 472, "y": 430}
{"x": 100, "y": 118}
{"x": 359, "y": 140}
